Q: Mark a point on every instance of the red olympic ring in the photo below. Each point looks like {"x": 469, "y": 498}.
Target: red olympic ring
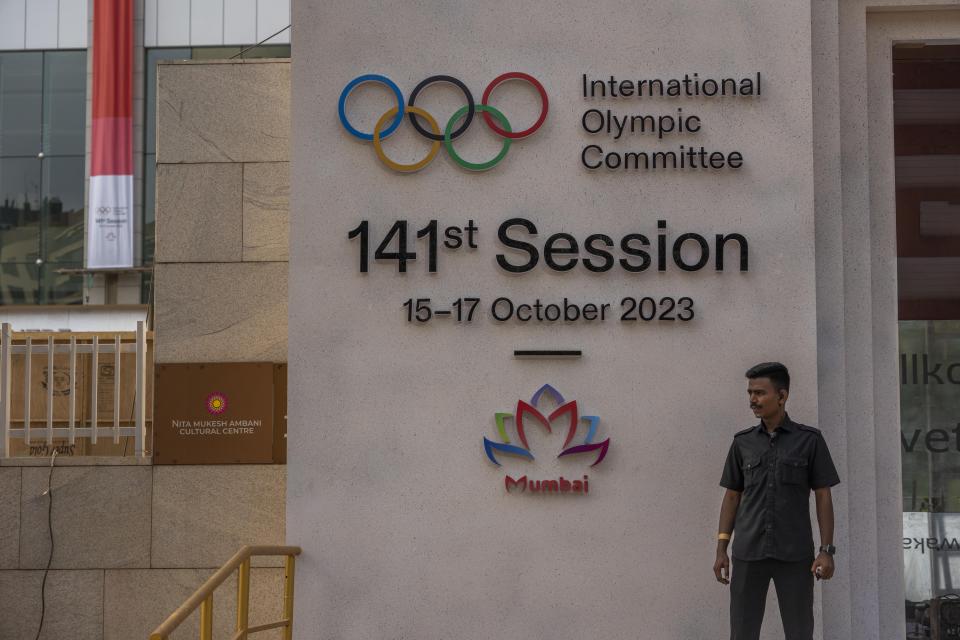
{"x": 515, "y": 75}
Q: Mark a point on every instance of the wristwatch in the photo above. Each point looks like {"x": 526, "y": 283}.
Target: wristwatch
{"x": 828, "y": 549}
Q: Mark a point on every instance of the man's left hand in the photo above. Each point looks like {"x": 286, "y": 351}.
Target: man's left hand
{"x": 824, "y": 563}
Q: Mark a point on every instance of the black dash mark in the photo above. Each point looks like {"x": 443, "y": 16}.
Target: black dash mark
{"x": 441, "y": 313}
{"x": 547, "y": 353}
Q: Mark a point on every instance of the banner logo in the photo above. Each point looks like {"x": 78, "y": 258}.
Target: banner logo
{"x": 391, "y": 120}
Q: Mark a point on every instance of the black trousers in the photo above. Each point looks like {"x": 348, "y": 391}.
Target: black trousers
{"x": 748, "y": 597}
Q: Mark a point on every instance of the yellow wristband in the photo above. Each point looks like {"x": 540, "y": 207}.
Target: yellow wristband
{"x": 723, "y": 536}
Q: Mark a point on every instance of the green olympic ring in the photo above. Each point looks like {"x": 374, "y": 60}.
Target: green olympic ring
{"x": 477, "y": 166}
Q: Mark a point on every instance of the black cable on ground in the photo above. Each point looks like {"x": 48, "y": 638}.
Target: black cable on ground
{"x": 43, "y": 584}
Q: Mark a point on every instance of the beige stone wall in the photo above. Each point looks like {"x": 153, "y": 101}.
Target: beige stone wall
{"x": 854, "y": 304}
{"x": 131, "y": 543}
{"x": 222, "y": 211}
{"x": 405, "y": 474}
{"x": 857, "y": 296}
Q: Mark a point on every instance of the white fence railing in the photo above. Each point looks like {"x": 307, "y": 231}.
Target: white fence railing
{"x": 92, "y": 349}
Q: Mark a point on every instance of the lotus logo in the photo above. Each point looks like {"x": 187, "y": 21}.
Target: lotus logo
{"x": 581, "y": 431}
{"x": 216, "y": 403}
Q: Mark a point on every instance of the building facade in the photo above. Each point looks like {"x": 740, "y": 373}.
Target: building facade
{"x": 844, "y": 195}
{"x": 45, "y": 123}
{"x": 836, "y": 164}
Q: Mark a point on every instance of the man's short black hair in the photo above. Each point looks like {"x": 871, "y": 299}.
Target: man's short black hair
{"x": 774, "y": 371}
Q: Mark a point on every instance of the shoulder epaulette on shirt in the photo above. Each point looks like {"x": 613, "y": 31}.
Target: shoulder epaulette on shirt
{"x": 809, "y": 428}
{"x": 744, "y": 432}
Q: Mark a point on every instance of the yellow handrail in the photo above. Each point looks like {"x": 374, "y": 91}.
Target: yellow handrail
{"x": 203, "y": 597}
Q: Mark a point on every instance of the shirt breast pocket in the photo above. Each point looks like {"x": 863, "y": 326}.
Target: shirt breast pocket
{"x": 752, "y": 469}
{"x": 794, "y": 471}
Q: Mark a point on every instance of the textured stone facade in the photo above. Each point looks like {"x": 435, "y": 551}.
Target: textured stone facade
{"x": 133, "y": 541}
{"x": 222, "y": 211}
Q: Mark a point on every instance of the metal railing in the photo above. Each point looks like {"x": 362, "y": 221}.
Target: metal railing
{"x": 72, "y": 345}
{"x": 203, "y": 597}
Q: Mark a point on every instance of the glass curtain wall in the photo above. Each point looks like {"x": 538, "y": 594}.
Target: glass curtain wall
{"x": 42, "y": 129}
{"x": 927, "y": 144}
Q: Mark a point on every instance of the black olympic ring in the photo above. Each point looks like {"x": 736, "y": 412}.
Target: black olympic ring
{"x": 470, "y": 104}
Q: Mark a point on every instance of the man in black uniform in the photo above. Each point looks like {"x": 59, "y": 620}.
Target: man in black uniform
{"x": 769, "y": 473}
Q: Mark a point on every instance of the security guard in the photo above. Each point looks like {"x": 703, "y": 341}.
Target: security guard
{"x": 769, "y": 473}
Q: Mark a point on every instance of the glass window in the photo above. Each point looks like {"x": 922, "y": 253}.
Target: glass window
{"x": 64, "y": 102}
{"x": 214, "y": 53}
{"x": 926, "y": 138}
{"x": 146, "y": 288}
{"x": 42, "y": 108}
{"x": 63, "y": 209}
{"x": 20, "y": 103}
{"x": 248, "y": 51}
{"x": 60, "y": 288}
{"x": 268, "y": 51}
{"x": 19, "y": 283}
{"x": 20, "y": 209}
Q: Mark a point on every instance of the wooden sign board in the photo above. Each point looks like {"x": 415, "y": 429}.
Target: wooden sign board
{"x": 214, "y": 413}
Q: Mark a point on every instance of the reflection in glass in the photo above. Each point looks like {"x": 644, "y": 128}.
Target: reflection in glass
{"x": 146, "y": 288}
{"x": 268, "y": 51}
{"x": 63, "y": 209}
{"x": 930, "y": 441}
{"x": 20, "y": 209}
{"x": 214, "y": 53}
{"x": 20, "y": 101}
{"x": 64, "y": 102}
{"x": 30, "y": 283}
{"x": 58, "y": 288}
{"x": 19, "y": 283}
{"x": 928, "y": 252}
{"x": 929, "y": 410}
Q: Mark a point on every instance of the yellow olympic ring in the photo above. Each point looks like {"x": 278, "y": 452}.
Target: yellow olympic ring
{"x": 416, "y": 166}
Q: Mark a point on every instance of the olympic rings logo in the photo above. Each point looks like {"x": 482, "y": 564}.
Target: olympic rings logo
{"x": 391, "y": 120}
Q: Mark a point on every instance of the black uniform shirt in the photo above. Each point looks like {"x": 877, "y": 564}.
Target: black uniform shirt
{"x": 775, "y": 472}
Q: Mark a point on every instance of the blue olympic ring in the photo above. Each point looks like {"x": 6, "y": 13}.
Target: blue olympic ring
{"x": 370, "y": 77}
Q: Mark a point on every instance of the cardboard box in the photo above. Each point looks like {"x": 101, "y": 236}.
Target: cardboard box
{"x": 77, "y": 389}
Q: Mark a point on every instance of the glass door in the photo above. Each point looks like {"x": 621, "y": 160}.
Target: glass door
{"x": 927, "y": 141}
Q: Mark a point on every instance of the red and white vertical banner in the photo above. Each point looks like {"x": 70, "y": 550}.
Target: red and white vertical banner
{"x": 110, "y": 210}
